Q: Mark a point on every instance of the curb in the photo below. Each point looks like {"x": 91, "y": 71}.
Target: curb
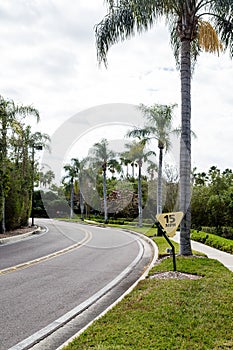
{"x": 19, "y": 237}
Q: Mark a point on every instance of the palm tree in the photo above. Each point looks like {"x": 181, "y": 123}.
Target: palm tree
{"x": 46, "y": 178}
{"x": 10, "y": 119}
{"x": 138, "y": 154}
{"x": 125, "y": 161}
{"x": 194, "y": 25}
{"x": 83, "y": 174}
{"x": 104, "y": 159}
{"x": 159, "y": 127}
{"x": 72, "y": 174}
{"x": 35, "y": 141}
{"x": 152, "y": 169}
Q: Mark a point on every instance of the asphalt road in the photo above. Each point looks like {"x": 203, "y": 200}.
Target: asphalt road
{"x": 38, "y": 294}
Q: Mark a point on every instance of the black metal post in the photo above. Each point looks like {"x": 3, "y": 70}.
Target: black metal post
{"x": 34, "y": 147}
{"x": 170, "y": 243}
{"x": 33, "y": 161}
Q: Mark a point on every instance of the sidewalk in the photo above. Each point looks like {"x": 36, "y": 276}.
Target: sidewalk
{"x": 212, "y": 253}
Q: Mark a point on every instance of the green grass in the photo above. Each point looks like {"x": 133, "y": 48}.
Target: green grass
{"x": 224, "y": 244}
{"x": 169, "y": 314}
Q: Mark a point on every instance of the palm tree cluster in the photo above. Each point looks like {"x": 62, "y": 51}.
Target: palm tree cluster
{"x": 158, "y": 126}
{"x": 17, "y": 164}
{"x": 195, "y": 26}
{"x": 92, "y": 172}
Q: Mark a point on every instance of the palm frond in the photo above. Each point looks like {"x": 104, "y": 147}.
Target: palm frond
{"x": 225, "y": 30}
{"x": 140, "y": 133}
{"x": 126, "y": 17}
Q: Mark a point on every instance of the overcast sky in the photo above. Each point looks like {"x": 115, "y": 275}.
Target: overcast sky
{"x": 48, "y": 59}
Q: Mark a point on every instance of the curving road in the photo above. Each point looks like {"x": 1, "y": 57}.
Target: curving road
{"x": 50, "y": 277}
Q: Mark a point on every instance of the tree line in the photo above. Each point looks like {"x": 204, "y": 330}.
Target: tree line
{"x": 212, "y": 200}
{"x": 158, "y": 125}
{"x": 17, "y": 163}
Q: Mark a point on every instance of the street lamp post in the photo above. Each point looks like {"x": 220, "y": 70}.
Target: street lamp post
{"x": 39, "y": 148}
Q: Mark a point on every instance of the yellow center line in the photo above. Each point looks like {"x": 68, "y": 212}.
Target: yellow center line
{"x": 24, "y": 265}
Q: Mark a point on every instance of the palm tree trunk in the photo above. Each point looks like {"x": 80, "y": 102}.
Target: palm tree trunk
{"x": 159, "y": 185}
{"x": 185, "y": 148}
{"x": 105, "y": 197}
{"x": 139, "y": 194}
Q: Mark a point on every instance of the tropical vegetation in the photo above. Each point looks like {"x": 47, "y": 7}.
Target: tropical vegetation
{"x": 212, "y": 200}
{"x": 195, "y": 25}
{"x": 17, "y": 168}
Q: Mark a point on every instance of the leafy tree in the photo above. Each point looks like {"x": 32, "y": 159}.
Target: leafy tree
{"x": 194, "y": 25}
{"x": 212, "y": 198}
{"x": 11, "y": 116}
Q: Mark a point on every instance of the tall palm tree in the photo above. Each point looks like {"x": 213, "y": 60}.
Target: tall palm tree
{"x": 194, "y": 25}
{"x": 138, "y": 154}
{"x": 10, "y": 117}
{"x": 104, "y": 159}
{"x": 159, "y": 127}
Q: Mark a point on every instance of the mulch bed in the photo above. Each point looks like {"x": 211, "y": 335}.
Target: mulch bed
{"x": 176, "y": 275}
{"x": 19, "y": 231}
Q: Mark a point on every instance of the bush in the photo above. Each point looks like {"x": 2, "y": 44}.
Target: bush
{"x": 226, "y": 232}
{"x": 212, "y": 240}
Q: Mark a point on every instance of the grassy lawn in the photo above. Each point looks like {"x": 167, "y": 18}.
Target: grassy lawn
{"x": 169, "y": 314}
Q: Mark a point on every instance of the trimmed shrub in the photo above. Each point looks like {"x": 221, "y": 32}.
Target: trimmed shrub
{"x": 223, "y": 244}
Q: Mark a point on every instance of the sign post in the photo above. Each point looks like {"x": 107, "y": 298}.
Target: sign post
{"x": 169, "y": 222}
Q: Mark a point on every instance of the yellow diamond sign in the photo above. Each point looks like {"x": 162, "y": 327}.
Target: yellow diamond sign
{"x": 170, "y": 221}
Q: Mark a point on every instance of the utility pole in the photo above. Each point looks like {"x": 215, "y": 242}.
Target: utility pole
{"x": 39, "y": 148}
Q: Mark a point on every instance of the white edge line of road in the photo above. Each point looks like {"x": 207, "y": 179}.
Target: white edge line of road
{"x": 52, "y": 327}
{"x": 155, "y": 257}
